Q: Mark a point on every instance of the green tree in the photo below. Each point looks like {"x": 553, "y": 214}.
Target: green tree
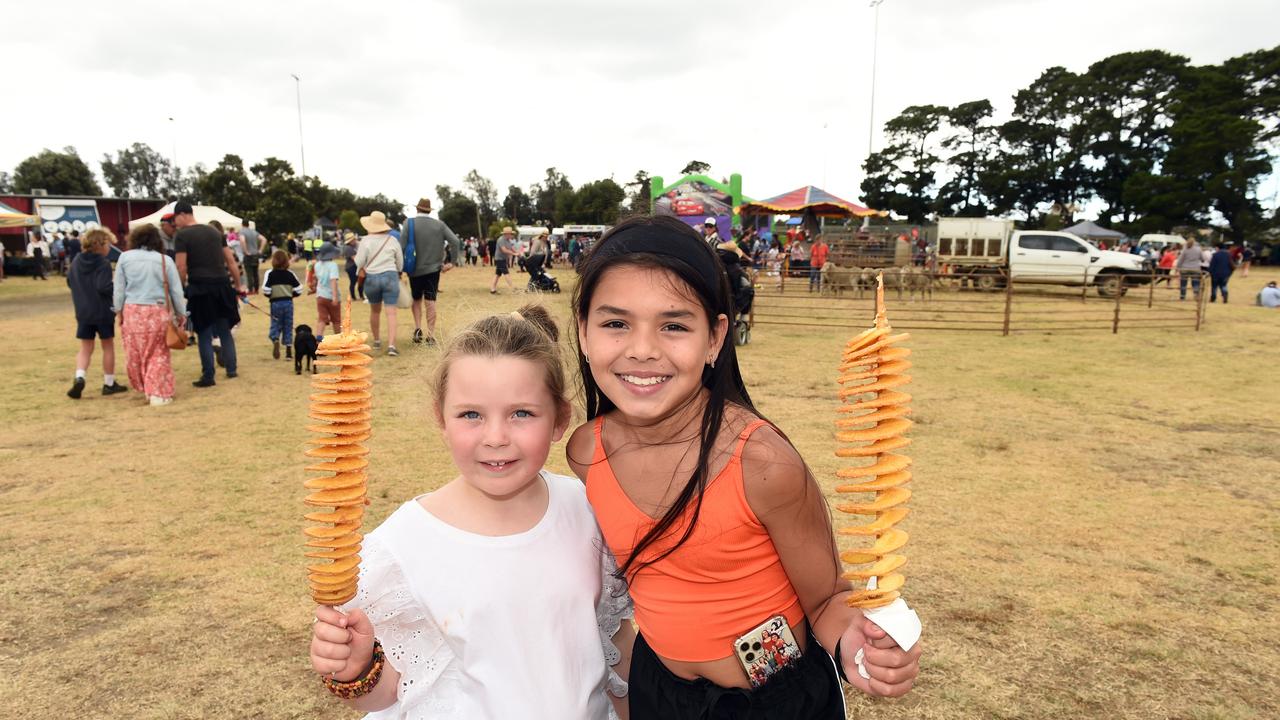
{"x": 1216, "y": 156}
{"x": 485, "y": 194}
{"x": 900, "y": 177}
{"x": 640, "y": 200}
{"x": 495, "y": 227}
{"x": 695, "y": 167}
{"x": 393, "y": 209}
{"x": 1043, "y": 148}
{"x": 458, "y": 211}
{"x": 6, "y": 182}
{"x": 544, "y": 196}
{"x": 971, "y": 144}
{"x": 1126, "y": 103}
{"x": 350, "y": 220}
{"x": 272, "y": 170}
{"x": 519, "y": 205}
{"x": 595, "y": 203}
{"x": 283, "y": 209}
{"x": 229, "y": 187}
{"x": 60, "y": 173}
{"x": 137, "y": 171}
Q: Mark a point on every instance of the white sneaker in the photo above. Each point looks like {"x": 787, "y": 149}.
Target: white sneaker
{"x": 157, "y": 401}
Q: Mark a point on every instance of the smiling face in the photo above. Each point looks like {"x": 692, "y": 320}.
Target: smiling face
{"x": 499, "y": 421}
{"x": 648, "y": 340}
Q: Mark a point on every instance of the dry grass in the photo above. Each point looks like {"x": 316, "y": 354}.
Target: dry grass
{"x": 1095, "y": 529}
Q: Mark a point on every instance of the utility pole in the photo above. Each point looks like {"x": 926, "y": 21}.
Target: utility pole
{"x": 875, "y": 49}
{"x": 302, "y": 148}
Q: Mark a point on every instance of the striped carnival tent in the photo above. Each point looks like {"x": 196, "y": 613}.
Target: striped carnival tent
{"x": 807, "y": 200}
{"x": 10, "y": 217}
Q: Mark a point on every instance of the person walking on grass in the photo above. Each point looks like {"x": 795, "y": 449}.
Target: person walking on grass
{"x": 504, "y": 254}
{"x": 381, "y": 259}
{"x": 208, "y": 267}
{"x": 253, "y": 244}
{"x": 1220, "y": 268}
{"x": 351, "y": 245}
{"x": 281, "y": 286}
{"x": 328, "y": 297}
{"x": 143, "y": 274}
{"x": 436, "y": 250}
{"x": 91, "y": 291}
{"x": 1189, "y": 261}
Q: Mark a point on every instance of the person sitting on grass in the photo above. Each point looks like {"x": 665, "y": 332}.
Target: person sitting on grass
{"x": 1270, "y": 296}
{"x": 91, "y": 291}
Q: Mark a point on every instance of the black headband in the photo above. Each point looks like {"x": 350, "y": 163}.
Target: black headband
{"x": 657, "y": 240}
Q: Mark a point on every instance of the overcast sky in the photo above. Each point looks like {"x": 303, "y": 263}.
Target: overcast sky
{"x": 400, "y": 96}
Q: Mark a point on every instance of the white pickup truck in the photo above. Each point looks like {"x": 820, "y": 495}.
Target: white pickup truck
{"x": 986, "y": 250}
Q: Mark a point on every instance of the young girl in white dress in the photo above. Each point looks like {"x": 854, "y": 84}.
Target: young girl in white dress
{"x": 494, "y": 596}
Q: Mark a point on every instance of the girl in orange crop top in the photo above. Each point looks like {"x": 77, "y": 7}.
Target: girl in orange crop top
{"x": 714, "y": 519}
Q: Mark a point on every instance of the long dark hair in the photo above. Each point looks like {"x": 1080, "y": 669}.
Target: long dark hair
{"x": 683, "y": 254}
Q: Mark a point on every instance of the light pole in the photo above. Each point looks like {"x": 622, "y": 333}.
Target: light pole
{"x": 177, "y": 173}
{"x": 875, "y": 48}
{"x": 302, "y": 148}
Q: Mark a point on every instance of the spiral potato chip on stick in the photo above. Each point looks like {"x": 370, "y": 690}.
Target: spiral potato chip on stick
{"x": 870, "y": 430}
{"x": 340, "y": 408}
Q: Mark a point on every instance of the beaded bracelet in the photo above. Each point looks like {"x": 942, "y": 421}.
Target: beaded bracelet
{"x": 362, "y": 685}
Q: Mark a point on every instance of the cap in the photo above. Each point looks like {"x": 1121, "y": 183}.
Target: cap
{"x": 167, "y": 217}
{"x": 709, "y": 221}
{"x": 182, "y": 207}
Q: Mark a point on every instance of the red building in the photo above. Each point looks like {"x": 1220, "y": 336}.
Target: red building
{"x": 111, "y": 213}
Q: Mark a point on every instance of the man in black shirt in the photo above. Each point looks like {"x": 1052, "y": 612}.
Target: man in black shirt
{"x": 209, "y": 271}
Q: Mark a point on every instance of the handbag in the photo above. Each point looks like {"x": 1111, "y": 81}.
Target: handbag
{"x": 361, "y": 274}
{"x": 405, "y": 299}
{"x": 174, "y": 338}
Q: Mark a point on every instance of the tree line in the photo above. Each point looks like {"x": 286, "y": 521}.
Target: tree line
{"x": 278, "y": 200}
{"x": 1158, "y": 142}
{"x": 268, "y": 192}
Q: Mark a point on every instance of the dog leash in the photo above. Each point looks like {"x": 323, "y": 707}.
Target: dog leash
{"x": 255, "y": 307}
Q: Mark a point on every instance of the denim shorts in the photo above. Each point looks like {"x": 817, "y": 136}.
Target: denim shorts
{"x": 383, "y": 287}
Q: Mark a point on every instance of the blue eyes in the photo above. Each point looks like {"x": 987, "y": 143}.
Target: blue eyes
{"x": 473, "y": 415}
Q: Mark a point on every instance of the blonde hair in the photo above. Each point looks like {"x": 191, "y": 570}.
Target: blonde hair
{"x": 96, "y": 238}
{"x": 529, "y": 334}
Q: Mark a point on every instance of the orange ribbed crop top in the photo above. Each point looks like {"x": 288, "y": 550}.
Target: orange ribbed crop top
{"x": 722, "y": 582}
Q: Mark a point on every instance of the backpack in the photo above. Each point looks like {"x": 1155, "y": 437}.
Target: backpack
{"x": 410, "y": 249}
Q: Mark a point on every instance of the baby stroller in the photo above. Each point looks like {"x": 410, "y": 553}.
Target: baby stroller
{"x": 539, "y": 279}
{"x": 743, "y": 293}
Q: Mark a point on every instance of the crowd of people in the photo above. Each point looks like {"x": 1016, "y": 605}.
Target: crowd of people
{"x": 201, "y": 277}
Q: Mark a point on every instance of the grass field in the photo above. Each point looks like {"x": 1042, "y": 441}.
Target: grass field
{"x": 1095, "y": 529}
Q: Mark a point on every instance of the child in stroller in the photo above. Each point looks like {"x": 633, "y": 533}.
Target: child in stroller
{"x": 740, "y": 287}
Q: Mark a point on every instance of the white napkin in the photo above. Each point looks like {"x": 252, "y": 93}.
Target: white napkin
{"x": 899, "y": 621}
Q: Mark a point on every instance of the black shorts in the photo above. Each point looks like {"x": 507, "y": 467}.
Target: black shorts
{"x": 88, "y": 331}
{"x": 425, "y": 286}
{"x": 808, "y": 690}
{"x": 500, "y": 268}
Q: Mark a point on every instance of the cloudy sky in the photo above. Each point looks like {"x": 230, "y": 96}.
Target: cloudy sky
{"x": 400, "y": 96}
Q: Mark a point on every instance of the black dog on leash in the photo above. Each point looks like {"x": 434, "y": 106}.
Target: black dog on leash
{"x": 304, "y": 345}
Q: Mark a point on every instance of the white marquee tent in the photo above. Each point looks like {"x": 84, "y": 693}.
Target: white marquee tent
{"x": 203, "y": 213}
